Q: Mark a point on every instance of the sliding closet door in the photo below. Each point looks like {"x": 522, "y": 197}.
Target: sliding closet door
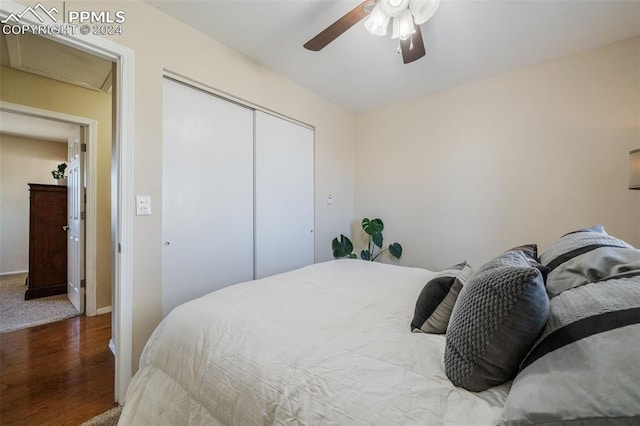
{"x": 283, "y": 195}
{"x": 207, "y": 194}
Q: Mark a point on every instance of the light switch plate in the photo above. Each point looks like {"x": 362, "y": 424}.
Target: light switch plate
{"x": 143, "y": 205}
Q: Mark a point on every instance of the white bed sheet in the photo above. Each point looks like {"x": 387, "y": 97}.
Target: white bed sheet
{"x": 326, "y": 344}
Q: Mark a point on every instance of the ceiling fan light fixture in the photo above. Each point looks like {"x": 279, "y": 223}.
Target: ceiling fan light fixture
{"x": 423, "y": 10}
{"x": 394, "y": 8}
{"x": 377, "y": 22}
{"x": 403, "y": 25}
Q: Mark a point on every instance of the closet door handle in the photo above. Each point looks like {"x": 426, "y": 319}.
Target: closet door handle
{"x": 65, "y": 228}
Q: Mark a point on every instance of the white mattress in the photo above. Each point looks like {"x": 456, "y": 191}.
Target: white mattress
{"x": 325, "y": 344}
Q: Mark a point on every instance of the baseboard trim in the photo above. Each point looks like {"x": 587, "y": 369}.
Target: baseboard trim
{"x": 14, "y": 272}
{"x": 112, "y": 347}
{"x": 105, "y": 310}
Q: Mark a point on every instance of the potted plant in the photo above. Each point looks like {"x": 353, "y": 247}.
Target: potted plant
{"x": 373, "y": 228}
{"x": 58, "y": 174}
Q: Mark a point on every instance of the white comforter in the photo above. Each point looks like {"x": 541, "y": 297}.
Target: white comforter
{"x": 325, "y": 344}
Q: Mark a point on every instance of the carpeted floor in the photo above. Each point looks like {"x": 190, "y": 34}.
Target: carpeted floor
{"x": 17, "y": 313}
{"x": 108, "y": 418}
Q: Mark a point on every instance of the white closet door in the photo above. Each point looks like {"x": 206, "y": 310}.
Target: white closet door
{"x": 283, "y": 195}
{"x": 207, "y": 194}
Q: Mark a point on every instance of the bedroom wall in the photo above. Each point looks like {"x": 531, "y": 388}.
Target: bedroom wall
{"x": 161, "y": 42}
{"x": 521, "y": 157}
{"x": 24, "y": 88}
{"x": 22, "y": 161}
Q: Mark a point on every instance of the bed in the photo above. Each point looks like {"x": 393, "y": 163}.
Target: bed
{"x": 331, "y": 344}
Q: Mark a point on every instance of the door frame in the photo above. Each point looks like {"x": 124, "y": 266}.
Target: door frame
{"x": 121, "y": 188}
{"x": 90, "y": 136}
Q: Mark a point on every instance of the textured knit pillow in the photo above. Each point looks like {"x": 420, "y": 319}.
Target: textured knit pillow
{"x": 437, "y": 298}
{"x": 496, "y": 319}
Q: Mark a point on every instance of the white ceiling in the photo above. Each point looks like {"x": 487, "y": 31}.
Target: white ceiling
{"x": 34, "y": 127}
{"x": 466, "y": 40}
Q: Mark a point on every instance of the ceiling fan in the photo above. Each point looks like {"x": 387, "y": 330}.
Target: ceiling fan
{"x": 406, "y": 17}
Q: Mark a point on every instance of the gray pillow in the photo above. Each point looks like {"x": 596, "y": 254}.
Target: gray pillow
{"x": 595, "y": 228}
{"x": 496, "y": 319}
{"x": 584, "y": 368}
{"x": 575, "y": 243}
{"x": 584, "y": 249}
{"x": 437, "y": 299}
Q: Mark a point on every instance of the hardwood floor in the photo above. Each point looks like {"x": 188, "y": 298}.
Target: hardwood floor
{"x": 56, "y": 374}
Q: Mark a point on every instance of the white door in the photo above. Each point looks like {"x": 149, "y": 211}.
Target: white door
{"x": 284, "y": 195}
{"x": 207, "y": 194}
{"x": 75, "y": 210}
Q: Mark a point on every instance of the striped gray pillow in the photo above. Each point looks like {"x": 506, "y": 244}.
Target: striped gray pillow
{"x": 583, "y": 369}
{"x": 437, "y": 299}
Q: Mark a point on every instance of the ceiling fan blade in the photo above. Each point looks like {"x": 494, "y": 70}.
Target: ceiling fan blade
{"x": 413, "y": 47}
{"x": 336, "y": 29}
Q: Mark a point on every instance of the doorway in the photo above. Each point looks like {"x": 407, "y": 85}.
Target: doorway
{"x": 122, "y": 187}
{"x": 38, "y": 124}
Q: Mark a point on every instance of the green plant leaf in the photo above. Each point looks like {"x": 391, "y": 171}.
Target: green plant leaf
{"x": 377, "y": 239}
{"x": 372, "y": 227}
{"x": 342, "y": 247}
{"x": 396, "y": 250}
{"x": 352, "y": 256}
{"x": 58, "y": 173}
{"x": 365, "y": 255}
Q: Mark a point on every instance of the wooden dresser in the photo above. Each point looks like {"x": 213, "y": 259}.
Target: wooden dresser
{"x": 47, "y": 241}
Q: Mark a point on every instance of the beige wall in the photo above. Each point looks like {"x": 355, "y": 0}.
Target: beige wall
{"x": 522, "y": 157}
{"x": 39, "y": 92}
{"x": 161, "y": 42}
{"x": 22, "y": 161}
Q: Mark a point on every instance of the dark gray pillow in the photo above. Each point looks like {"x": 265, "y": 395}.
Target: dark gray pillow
{"x": 496, "y": 319}
{"x": 437, "y": 299}
{"x": 531, "y": 252}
